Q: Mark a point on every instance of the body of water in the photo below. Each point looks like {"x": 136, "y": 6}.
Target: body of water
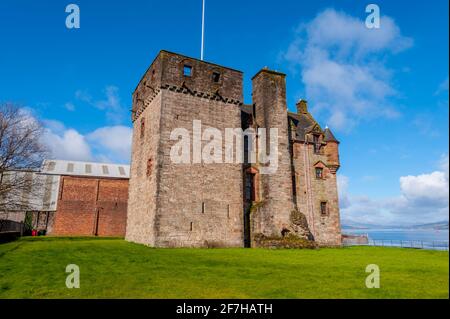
{"x": 414, "y": 238}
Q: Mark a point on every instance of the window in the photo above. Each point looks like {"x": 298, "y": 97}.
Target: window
{"x": 105, "y": 169}
{"x": 316, "y": 143}
{"x": 142, "y": 127}
{"x": 203, "y": 208}
{"x": 216, "y": 77}
{"x": 70, "y": 167}
{"x": 315, "y": 139}
{"x": 88, "y": 168}
{"x": 319, "y": 173}
{"x": 121, "y": 170}
{"x": 187, "y": 70}
{"x": 323, "y": 208}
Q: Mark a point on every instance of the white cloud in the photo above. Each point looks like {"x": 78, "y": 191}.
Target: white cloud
{"x": 69, "y": 106}
{"x": 112, "y": 141}
{"x": 342, "y": 184}
{"x": 444, "y": 163}
{"x": 105, "y": 144}
{"x": 427, "y": 188}
{"x": 423, "y": 198}
{"x": 343, "y": 69}
{"x": 70, "y": 145}
{"x": 111, "y": 104}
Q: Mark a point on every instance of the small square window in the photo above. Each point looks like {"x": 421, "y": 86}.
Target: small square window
{"x": 187, "y": 70}
{"x": 323, "y": 208}
{"x": 216, "y": 77}
{"x": 319, "y": 173}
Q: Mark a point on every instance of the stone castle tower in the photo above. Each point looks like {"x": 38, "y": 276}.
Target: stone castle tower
{"x": 200, "y": 204}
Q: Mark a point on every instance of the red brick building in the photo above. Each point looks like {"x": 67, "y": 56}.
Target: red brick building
{"x": 92, "y": 198}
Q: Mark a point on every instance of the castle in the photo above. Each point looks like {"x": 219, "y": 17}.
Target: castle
{"x": 226, "y": 204}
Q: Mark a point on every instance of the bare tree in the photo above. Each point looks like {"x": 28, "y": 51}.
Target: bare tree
{"x": 21, "y": 153}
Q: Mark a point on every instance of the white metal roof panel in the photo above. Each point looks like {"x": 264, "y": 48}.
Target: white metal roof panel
{"x": 76, "y": 168}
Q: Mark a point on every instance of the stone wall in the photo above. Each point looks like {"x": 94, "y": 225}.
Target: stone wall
{"x": 312, "y": 191}
{"x": 269, "y": 98}
{"x": 202, "y": 205}
{"x": 199, "y": 204}
{"x": 143, "y": 187}
{"x": 195, "y": 204}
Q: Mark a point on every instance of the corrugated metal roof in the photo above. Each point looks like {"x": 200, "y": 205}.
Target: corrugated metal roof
{"x": 75, "y": 168}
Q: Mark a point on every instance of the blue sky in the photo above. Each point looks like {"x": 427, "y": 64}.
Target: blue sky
{"x": 383, "y": 92}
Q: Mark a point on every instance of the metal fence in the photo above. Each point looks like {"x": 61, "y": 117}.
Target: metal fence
{"x": 11, "y": 226}
{"x": 417, "y": 244}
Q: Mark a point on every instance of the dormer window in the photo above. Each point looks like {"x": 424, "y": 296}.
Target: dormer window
{"x": 216, "y": 77}
{"x": 187, "y": 70}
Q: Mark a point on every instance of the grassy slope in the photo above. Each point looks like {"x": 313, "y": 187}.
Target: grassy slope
{"x": 113, "y": 268}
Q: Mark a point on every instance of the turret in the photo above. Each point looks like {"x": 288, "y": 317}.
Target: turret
{"x": 331, "y": 150}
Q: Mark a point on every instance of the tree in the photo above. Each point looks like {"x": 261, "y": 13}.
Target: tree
{"x": 21, "y": 154}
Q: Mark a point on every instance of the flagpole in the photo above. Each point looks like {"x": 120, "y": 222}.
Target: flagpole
{"x": 203, "y": 29}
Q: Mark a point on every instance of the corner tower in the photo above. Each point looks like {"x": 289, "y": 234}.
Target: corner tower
{"x": 315, "y": 163}
{"x": 184, "y": 204}
{"x": 276, "y": 199}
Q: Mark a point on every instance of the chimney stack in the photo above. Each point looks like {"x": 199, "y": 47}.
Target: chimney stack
{"x": 302, "y": 106}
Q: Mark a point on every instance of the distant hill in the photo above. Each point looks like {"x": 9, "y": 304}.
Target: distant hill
{"x": 436, "y": 226}
{"x": 443, "y": 225}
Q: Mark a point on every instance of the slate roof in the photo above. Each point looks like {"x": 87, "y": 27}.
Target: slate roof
{"x": 329, "y": 137}
{"x": 304, "y": 123}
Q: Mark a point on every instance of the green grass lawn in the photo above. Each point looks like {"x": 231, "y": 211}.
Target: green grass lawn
{"x": 114, "y": 268}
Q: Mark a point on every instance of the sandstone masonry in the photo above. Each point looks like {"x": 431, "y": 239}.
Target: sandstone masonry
{"x": 229, "y": 204}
